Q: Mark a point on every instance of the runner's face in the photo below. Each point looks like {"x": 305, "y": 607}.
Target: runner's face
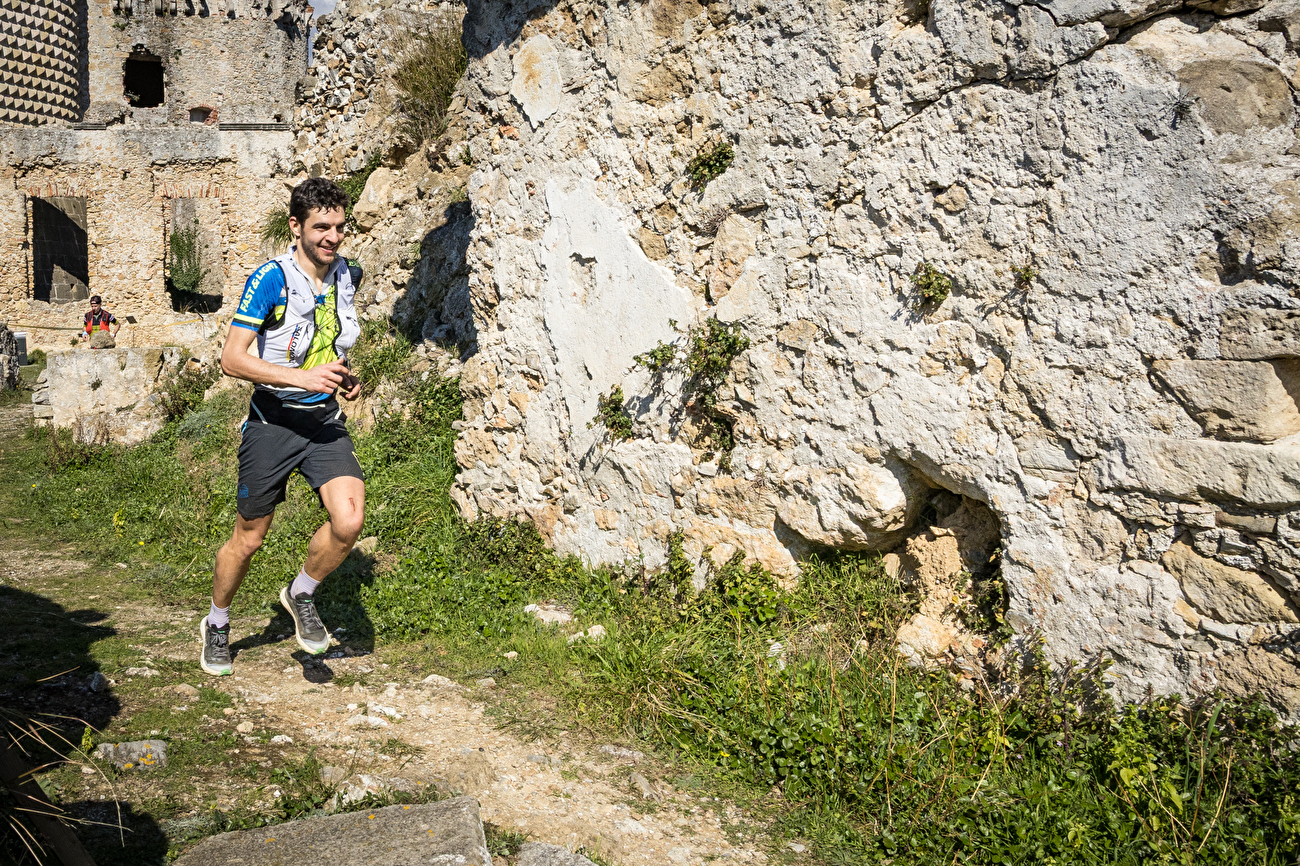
{"x": 319, "y": 235}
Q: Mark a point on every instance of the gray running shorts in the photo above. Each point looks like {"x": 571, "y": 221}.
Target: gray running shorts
{"x": 277, "y": 440}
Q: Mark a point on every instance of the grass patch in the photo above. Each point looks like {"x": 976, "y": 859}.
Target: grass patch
{"x": 750, "y": 687}
{"x": 430, "y": 67}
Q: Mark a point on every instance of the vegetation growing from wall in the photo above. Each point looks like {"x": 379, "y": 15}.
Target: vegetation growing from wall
{"x": 932, "y": 285}
{"x": 611, "y": 414}
{"x": 705, "y": 362}
{"x": 275, "y": 231}
{"x": 710, "y": 163}
{"x": 431, "y": 65}
{"x": 185, "y": 271}
{"x": 797, "y": 691}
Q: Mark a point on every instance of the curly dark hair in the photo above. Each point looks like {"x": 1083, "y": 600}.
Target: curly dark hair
{"x": 316, "y": 193}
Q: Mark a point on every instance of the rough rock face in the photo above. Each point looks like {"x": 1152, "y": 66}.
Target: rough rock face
{"x": 1111, "y": 186}
{"x": 8, "y": 358}
{"x": 105, "y": 395}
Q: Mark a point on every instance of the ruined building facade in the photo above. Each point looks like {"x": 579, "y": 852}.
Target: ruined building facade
{"x": 121, "y": 122}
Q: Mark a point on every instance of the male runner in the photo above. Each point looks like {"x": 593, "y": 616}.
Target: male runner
{"x": 299, "y": 308}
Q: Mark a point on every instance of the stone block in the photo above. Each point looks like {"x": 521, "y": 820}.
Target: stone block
{"x": 109, "y": 392}
{"x": 376, "y": 199}
{"x": 1197, "y": 470}
{"x": 1237, "y": 400}
{"x": 446, "y": 832}
{"x": 1259, "y": 335}
{"x": 1225, "y": 593}
{"x": 537, "y": 79}
{"x": 137, "y": 755}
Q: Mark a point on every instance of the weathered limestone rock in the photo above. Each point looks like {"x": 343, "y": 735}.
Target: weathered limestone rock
{"x": 537, "y": 81}
{"x": 1251, "y": 335}
{"x": 1228, "y": 594}
{"x": 106, "y": 394}
{"x": 1109, "y": 371}
{"x": 445, "y": 832}
{"x": 375, "y": 199}
{"x": 137, "y": 755}
{"x": 1237, "y": 399}
{"x": 923, "y": 639}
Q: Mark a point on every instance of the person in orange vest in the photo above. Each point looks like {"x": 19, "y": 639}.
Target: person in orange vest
{"x": 99, "y": 320}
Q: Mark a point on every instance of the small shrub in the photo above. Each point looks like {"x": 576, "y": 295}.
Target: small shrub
{"x": 932, "y": 284}
{"x": 275, "y": 229}
{"x": 611, "y": 414}
{"x": 458, "y": 195}
{"x": 1024, "y": 277}
{"x": 431, "y": 66}
{"x": 184, "y": 260}
{"x": 710, "y": 163}
{"x": 183, "y": 393}
{"x": 466, "y": 158}
{"x": 708, "y": 360}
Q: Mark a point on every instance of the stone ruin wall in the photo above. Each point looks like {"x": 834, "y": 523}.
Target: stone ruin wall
{"x": 1122, "y": 424}
{"x": 411, "y": 222}
{"x": 140, "y": 169}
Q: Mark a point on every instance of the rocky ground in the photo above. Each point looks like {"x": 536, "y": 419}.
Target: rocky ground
{"x": 374, "y": 719}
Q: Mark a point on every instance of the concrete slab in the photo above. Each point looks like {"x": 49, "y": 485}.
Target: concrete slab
{"x": 438, "y": 834}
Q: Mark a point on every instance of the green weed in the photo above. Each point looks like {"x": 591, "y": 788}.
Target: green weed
{"x": 932, "y": 285}
{"x": 612, "y": 414}
{"x": 1024, "y": 277}
{"x": 710, "y": 163}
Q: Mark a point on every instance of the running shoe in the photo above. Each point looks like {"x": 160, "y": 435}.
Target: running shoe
{"x": 215, "y": 658}
{"x": 307, "y": 627}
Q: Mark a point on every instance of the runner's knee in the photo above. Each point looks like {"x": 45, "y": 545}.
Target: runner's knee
{"x": 346, "y": 527}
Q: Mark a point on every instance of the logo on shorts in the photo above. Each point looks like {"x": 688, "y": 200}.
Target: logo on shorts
{"x": 243, "y": 491}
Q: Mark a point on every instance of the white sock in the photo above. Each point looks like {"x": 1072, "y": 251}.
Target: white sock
{"x": 302, "y": 583}
{"x": 218, "y": 617}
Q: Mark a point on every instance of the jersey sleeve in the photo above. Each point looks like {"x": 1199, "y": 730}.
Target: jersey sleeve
{"x": 261, "y": 293}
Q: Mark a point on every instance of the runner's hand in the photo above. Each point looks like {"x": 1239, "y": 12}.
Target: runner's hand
{"x": 351, "y": 387}
{"x": 324, "y": 379}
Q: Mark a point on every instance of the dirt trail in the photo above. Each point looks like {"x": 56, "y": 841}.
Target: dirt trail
{"x": 381, "y": 729}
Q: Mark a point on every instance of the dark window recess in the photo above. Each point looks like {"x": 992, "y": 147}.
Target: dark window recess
{"x": 60, "y": 264}
{"x": 142, "y": 80}
{"x": 200, "y": 114}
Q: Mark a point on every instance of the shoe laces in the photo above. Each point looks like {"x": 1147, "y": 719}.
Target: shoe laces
{"x": 219, "y": 641}
{"x": 307, "y": 613}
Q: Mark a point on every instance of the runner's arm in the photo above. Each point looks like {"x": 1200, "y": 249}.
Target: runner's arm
{"x": 236, "y": 362}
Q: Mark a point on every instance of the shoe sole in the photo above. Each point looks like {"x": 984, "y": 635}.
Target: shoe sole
{"x": 212, "y": 670}
{"x": 308, "y": 646}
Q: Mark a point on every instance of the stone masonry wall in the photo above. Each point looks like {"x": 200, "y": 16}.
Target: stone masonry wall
{"x": 1111, "y": 186}
{"x": 130, "y": 178}
{"x": 245, "y": 62}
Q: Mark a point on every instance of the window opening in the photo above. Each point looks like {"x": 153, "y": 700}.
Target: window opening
{"x": 60, "y": 260}
{"x": 142, "y": 80}
{"x": 200, "y": 114}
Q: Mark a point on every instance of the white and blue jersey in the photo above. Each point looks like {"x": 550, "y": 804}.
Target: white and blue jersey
{"x": 297, "y": 326}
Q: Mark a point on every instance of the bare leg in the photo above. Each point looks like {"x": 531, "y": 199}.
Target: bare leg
{"x": 345, "y": 500}
{"x": 235, "y": 556}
